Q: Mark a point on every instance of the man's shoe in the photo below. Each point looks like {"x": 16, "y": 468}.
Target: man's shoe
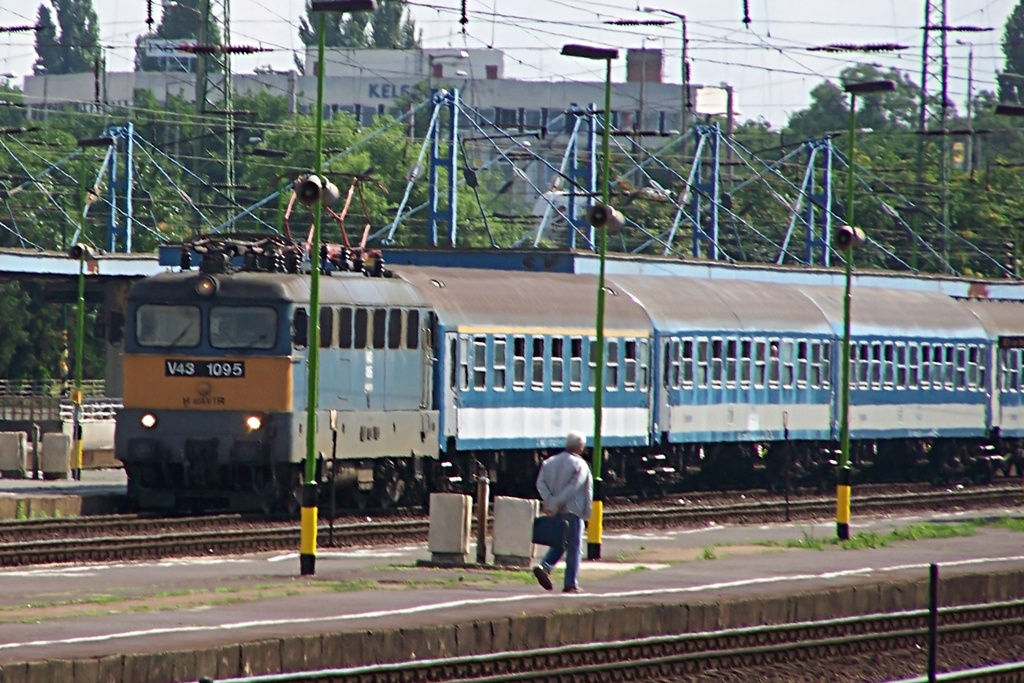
{"x": 574, "y": 589}
{"x": 543, "y": 578}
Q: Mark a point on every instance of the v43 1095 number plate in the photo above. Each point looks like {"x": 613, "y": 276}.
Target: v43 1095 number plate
{"x": 203, "y": 368}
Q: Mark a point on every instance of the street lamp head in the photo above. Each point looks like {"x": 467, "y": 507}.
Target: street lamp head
{"x": 82, "y": 251}
{"x": 848, "y": 237}
{"x": 1010, "y": 109}
{"x": 345, "y": 6}
{"x": 589, "y": 52}
{"x": 867, "y": 87}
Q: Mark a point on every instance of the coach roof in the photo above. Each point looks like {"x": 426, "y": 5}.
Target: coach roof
{"x": 684, "y": 304}
{"x": 501, "y": 299}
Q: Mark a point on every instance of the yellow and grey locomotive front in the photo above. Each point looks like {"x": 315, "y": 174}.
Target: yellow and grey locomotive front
{"x": 216, "y": 382}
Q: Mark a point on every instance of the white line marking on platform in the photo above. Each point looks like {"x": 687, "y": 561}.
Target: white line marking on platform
{"x": 455, "y": 604}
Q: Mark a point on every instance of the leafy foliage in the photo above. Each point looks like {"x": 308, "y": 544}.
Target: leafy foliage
{"x": 382, "y": 30}
{"x": 77, "y": 48}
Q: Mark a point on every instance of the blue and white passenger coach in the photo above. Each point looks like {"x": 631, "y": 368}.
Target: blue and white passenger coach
{"x": 517, "y": 365}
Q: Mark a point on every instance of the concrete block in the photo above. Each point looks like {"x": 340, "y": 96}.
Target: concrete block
{"x": 300, "y": 653}
{"x": 472, "y": 638}
{"x": 13, "y": 454}
{"x": 206, "y": 663}
{"x": 14, "y": 673}
{"x": 228, "y": 662}
{"x": 513, "y": 531}
{"x": 603, "y": 620}
{"x": 43, "y": 672}
{"x": 56, "y": 459}
{"x": 391, "y": 646}
{"x": 184, "y": 665}
{"x": 501, "y": 635}
{"x": 111, "y": 669}
{"x": 136, "y": 669}
{"x": 261, "y": 658}
{"x": 86, "y": 671}
{"x": 161, "y": 666}
{"x": 450, "y": 520}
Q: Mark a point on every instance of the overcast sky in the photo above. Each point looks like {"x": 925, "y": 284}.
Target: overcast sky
{"x": 768, "y": 63}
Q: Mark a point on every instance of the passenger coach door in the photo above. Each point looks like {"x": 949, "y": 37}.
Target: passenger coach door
{"x": 450, "y": 397}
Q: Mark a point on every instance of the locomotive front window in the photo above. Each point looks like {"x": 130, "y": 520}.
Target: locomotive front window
{"x": 167, "y": 326}
{"x": 243, "y": 327}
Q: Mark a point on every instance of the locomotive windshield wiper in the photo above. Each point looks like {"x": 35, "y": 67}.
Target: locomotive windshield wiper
{"x": 181, "y": 335}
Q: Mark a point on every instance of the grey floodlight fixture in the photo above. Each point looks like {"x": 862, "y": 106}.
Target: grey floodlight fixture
{"x": 868, "y": 87}
{"x": 346, "y": 6}
{"x": 589, "y": 52}
{"x": 1010, "y": 109}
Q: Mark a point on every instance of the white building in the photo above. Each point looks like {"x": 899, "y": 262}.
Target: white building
{"x": 368, "y": 82}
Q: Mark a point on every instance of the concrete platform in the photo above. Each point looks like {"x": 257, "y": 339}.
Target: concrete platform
{"x": 177, "y": 620}
{"x": 99, "y": 491}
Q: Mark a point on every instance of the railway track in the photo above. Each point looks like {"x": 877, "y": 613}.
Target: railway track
{"x": 124, "y": 538}
{"x": 727, "y": 654}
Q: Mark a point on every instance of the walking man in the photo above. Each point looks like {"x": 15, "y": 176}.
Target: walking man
{"x": 566, "y": 490}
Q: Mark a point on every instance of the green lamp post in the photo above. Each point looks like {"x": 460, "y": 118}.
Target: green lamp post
{"x": 597, "y": 514}
{"x": 308, "y": 525}
{"x": 845, "y": 240}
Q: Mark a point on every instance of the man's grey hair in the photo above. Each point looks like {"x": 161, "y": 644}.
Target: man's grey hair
{"x": 575, "y": 442}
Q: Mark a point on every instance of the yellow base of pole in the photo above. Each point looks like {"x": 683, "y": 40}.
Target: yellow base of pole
{"x": 307, "y": 528}
{"x": 843, "y": 495}
{"x": 595, "y": 527}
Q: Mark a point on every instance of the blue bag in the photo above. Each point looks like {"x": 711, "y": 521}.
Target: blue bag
{"x": 549, "y": 531}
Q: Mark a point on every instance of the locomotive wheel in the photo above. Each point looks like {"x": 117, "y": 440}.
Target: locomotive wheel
{"x": 389, "y": 485}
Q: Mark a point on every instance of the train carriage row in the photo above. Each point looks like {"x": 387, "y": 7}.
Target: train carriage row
{"x": 429, "y": 377}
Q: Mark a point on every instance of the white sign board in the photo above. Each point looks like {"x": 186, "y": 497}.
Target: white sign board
{"x": 169, "y": 47}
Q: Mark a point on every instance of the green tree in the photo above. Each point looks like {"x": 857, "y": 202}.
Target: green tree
{"x": 49, "y": 57}
{"x": 383, "y": 29}
{"x": 180, "y": 20}
{"x": 77, "y": 48}
{"x": 1011, "y": 81}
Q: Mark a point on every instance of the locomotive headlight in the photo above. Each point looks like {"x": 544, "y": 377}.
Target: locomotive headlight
{"x": 253, "y": 422}
{"x": 148, "y": 420}
{"x": 206, "y": 286}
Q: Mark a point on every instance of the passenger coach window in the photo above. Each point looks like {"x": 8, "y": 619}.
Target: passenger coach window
{"x": 612, "y": 380}
{"x": 362, "y": 324}
{"x": 394, "y": 328}
{"x": 243, "y": 327}
{"x": 537, "y": 376}
{"x": 901, "y": 366}
{"x": 687, "y": 363}
{"x": 913, "y": 366}
{"x": 379, "y": 327}
{"x": 730, "y": 362}
{"x": 412, "y": 330}
{"x": 479, "y": 362}
{"x": 801, "y": 364}
{"x": 557, "y": 363}
{"x": 702, "y": 362}
{"x": 326, "y": 327}
{"x": 345, "y": 328}
{"x": 500, "y": 362}
{"x": 759, "y": 362}
{"x": 717, "y": 360}
{"x": 167, "y": 326}
{"x": 960, "y": 368}
{"x": 575, "y": 363}
{"x": 973, "y": 353}
{"x": 746, "y": 359}
{"x": 630, "y": 358}
{"x": 926, "y": 366}
{"x": 518, "y": 363}
{"x": 787, "y": 363}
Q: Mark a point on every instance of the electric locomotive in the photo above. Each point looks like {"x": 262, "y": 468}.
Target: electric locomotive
{"x": 216, "y": 382}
